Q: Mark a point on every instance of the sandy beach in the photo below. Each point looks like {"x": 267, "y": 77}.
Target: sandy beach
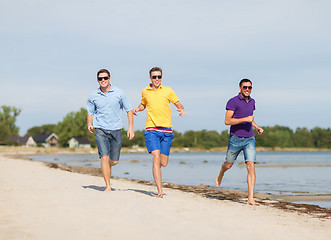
{"x": 46, "y": 202}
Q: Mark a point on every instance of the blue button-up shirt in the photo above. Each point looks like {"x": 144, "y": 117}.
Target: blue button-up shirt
{"x": 107, "y": 108}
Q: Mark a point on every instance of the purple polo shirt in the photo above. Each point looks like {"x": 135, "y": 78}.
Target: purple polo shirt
{"x": 241, "y": 109}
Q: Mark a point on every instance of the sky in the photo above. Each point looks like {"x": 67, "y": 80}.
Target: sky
{"x": 52, "y": 50}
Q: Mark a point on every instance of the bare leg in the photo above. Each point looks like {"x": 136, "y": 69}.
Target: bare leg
{"x": 158, "y": 161}
{"x": 106, "y": 165}
{"x": 251, "y": 182}
{"x": 225, "y": 166}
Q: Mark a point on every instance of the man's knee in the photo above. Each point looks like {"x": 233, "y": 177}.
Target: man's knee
{"x": 105, "y": 158}
{"x": 113, "y": 163}
{"x": 156, "y": 155}
{"x": 227, "y": 165}
{"x": 156, "y": 160}
{"x": 164, "y": 160}
{"x": 250, "y": 165}
{"x": 164, "y": 163}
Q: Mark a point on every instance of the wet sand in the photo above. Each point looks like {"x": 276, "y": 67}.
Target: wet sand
{"x": 292, "y": 165}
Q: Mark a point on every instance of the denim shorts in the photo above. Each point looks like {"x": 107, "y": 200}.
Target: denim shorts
{"x": 109, "y": 143}
{"x": 238, "y": 144}
{"x": 159, "y": 141}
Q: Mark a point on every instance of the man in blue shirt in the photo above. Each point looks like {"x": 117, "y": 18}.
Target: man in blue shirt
{"x": 104, "y": 109}
{"x": 239, "y": 114}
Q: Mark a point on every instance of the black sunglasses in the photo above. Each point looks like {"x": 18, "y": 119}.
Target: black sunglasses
{"x": 100, "y": 78}
{"x": 159, "y": 77}
{"x": 247, "y": 87}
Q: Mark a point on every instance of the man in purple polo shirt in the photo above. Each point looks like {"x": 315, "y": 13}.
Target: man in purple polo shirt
{"x": 239, "y": 114}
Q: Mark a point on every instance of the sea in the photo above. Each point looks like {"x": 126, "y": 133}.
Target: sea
{"x": 279, "y": 173}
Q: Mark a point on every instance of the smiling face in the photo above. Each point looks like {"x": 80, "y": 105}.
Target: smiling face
{"x": 246, "y": 89}
{"x": 156, "y": 78}
{"x": 103, "y": 80}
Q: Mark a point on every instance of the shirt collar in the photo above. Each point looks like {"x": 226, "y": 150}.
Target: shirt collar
{"x": 111, "y": 89}
{"x": 149, "y": 87}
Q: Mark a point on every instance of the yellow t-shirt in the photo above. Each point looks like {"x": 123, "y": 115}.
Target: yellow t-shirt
{"x": 157, "y": 104}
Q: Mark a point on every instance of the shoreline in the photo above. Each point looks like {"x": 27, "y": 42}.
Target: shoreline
{"x": 276, "y": 201}
{"x": 21, "y": 152}
{"x": 51, "y": 201}
{"x": 40, "y": 150}
{"x": 282, "y": 202}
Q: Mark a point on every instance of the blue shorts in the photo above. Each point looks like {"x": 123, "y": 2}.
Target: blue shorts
{"x": 109, "y": 143}
{"x": 238, "y": 144}
{"x": 159, "y": 141}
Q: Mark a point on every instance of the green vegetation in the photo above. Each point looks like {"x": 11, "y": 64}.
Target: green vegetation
{"x": 201, "y": 139}
{"x": 74, "y": 125}
{"x": 277, "y": 136}
{"x": 8, "y": 116}
{"x": 47, "y": 128}
{"x": 138, "y": 140}
{"x": 284, "y": 137}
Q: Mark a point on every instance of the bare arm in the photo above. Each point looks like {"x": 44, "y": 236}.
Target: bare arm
{"x": 89, "y": 123}
{"x": 229, "y": 120}
{"x": 130, "y": 133}
{"x": 258, "y": 129}
{"x": 140, "y": 108}
{"x": 180, "y": 109}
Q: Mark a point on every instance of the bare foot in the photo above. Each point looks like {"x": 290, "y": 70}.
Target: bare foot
{"x": 218, "y": 179}
{"x": 160, "y": 195}
{"x": 252, "y": 202}
{"x": 108, "y": 189}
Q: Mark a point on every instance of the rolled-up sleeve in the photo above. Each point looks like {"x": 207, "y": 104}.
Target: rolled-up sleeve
{"x": 90, "y": 107}
{"x": 126, "y": 103}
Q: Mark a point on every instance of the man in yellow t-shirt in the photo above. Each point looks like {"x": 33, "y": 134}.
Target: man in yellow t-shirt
{"x": 158, "y": 135}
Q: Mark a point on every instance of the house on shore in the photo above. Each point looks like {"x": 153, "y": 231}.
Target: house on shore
{"x": 78, "y": 142}
{"x": 47, "y": 140}
{"x": 26, "y": 141}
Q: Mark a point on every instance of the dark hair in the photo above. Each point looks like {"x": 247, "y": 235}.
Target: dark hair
{"x": 244, "y": 81}
{"x": 155, "y": 69}
{"x": 103, "y": 71}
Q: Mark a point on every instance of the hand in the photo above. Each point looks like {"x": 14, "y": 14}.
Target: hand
{"x": 130, "y": 134}
{"x": 259, "y": 130}
{"x": 135, "y": 111}
{"x": 250, "y": 118}
{"x": 181, "y": 112}
{"x": 90, "y": 128}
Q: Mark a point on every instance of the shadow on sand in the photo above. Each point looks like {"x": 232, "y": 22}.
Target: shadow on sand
{"x": 148, "y": 193}
{"x": 102, "y": 189}
{"x": 97, "y": 188}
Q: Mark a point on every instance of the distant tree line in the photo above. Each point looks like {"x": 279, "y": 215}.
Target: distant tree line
{"x": 284, "y": 137}
{"x": 277, "y": 136}
{"x": 74, "y": 125}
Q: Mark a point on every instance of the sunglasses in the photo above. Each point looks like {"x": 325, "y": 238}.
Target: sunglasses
{"x": 159, "y": 77}
{"x": 247, "y": 87}
{"x": 100, "y": 78}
